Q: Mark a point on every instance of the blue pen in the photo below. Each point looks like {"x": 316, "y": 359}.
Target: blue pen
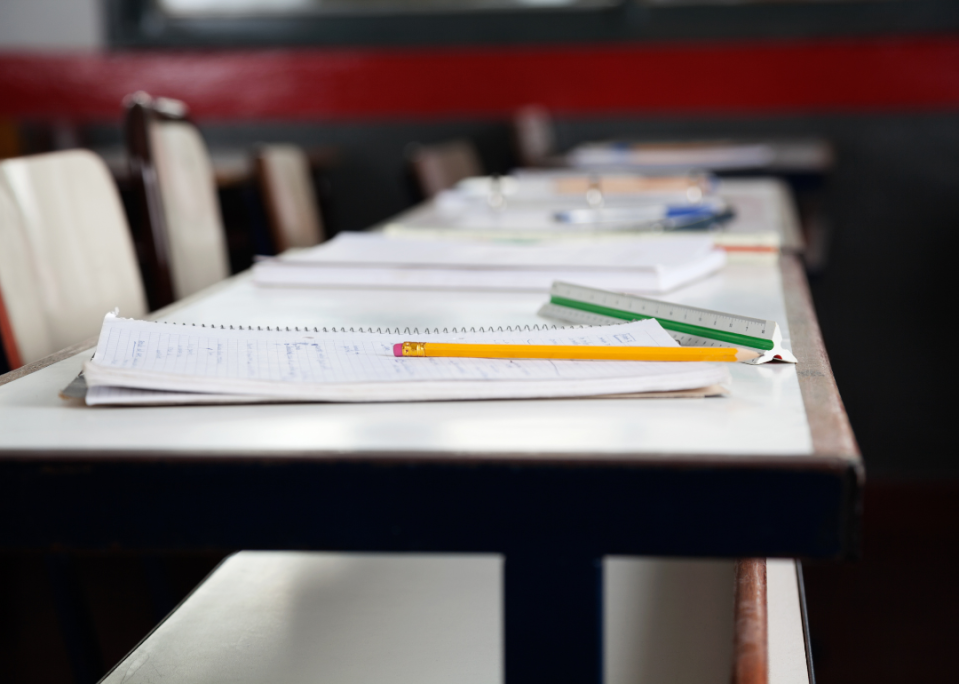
{"x": 640, "y": 214}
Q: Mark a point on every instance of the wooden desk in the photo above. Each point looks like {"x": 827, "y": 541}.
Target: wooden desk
{"x": 554, "y": 485}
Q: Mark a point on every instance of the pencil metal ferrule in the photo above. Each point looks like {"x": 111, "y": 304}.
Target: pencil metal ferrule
{"x": 414, "y": 349}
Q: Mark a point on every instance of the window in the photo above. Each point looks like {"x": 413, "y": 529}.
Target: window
{"x": 186, "y": 9}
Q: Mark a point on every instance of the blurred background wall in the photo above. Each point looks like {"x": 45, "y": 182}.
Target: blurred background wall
{"x": 880, "y": 80}
{"x": 52, "y": 25}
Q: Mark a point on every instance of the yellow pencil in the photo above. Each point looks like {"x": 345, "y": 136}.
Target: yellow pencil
{"x": 541, "y": 351}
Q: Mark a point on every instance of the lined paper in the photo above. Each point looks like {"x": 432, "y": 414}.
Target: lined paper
{"x": 343, "y": 366}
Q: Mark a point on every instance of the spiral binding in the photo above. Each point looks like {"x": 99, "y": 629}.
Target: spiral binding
{"x": 387, "y": 331}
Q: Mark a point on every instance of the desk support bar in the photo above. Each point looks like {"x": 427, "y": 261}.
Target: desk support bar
{"x": 554, "y": 618}
{"x": 751, "y": 652}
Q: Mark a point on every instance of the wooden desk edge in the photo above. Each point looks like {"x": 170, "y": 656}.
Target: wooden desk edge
{"x": 91, "y": 342}
{"x": 751, "y": 642}
{"x": 825, "y": 412}
{"x": 40, "y": 364}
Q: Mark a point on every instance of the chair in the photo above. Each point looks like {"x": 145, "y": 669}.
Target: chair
{"x": 534, "y": 136}
{"x": 66, "y": 255}
{"x": 441, "y": 166}
{"x": 283, "y": 172}
{"x": 184, "y": 242}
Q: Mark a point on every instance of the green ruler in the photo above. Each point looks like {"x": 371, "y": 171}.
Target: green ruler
{"x": 688, "y": 325}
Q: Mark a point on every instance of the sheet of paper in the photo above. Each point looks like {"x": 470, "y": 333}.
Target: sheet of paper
{"x": 370, "y": 249}
{"x": 653, "y": 282}
{"x": 363, "y": 260}
{"x": 343, "y": 366}
{"x": 124, "y": 396}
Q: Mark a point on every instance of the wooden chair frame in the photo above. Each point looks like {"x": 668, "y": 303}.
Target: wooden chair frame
{"x": 8, "y": 342}
{"x": 141, "y": 110}
{"x": 274, "y": 219}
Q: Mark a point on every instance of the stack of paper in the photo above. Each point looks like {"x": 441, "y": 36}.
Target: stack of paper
{"x": 371, "y": 260}
{"x": 140, "y": 362}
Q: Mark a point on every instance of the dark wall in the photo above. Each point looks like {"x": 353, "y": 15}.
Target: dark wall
{"x": 138, "y": 24}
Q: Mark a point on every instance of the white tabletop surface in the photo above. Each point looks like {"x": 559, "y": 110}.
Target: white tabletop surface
{"x": 763, "y": 416}
{"x": 343, "y": 618}
{"x": 762, "y": 205}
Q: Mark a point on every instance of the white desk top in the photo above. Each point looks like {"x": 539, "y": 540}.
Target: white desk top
{"x": 404, "y": 618}
{"x": 762, "y": 205}
{"x": 764, "y": 416}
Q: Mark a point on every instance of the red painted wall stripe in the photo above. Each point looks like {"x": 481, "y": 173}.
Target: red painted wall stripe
{"x": 684, "y": 78}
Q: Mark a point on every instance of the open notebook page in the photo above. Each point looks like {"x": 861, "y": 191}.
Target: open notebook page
{"x": 312, "y": 365}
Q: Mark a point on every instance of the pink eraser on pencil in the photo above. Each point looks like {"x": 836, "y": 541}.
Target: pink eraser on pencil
{"x": 398, "y": 349}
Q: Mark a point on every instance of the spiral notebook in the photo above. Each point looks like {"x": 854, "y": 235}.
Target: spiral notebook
{"x": 143, "y": 362}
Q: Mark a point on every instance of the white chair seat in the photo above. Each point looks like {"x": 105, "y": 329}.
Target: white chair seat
{"x": 284, "y": 172}
{"x": 195, "y": 234}
{"x": 66, "y": 255}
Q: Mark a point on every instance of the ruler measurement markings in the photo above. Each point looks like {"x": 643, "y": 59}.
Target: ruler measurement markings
{"x": 717, "y": 330}
{"x": 640, "y": 305}
{"x": 584, "y": 317}
{"x": 711, "y": 328}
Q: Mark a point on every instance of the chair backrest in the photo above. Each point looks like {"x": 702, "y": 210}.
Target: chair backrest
{"x": 66, "y": 255}
{"x": 291, "y": 205}
{"x": 171, "y": 167}
{"x": 534, "y": 135}
{"x": 441, "y": 166}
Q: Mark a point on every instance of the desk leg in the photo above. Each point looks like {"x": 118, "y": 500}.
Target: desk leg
{"x": 554, "y": 619}
{"x": 76, "y": 623}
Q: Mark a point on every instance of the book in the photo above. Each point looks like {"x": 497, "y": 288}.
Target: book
{"x": 375, "y": 261}
{"x": 226, "y": 364}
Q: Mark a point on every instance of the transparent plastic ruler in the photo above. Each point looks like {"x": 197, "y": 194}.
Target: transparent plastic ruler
{"x": 688, "y": 325}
